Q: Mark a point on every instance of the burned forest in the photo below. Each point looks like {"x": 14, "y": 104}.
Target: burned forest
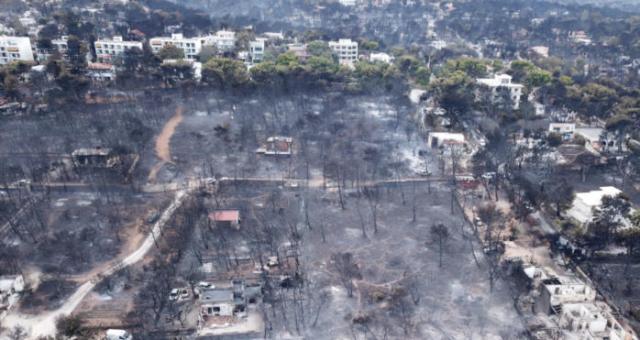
{"x": 325, "y": 169}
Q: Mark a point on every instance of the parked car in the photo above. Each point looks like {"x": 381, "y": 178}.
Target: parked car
{"x": 118, "y": 334}
{"x": 178, "y": 294}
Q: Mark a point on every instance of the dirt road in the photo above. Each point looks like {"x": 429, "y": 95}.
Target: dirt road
{"x": 163, "y": 142}
{"x": 44, "y": 324}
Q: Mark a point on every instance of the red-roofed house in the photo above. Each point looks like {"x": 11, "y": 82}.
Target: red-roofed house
{"x": 230, "y": 218}
{"x": 277, "y": 145}
{"x": 101, "y": 72}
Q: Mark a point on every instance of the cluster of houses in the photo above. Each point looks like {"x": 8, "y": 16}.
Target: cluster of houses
{"x": 102, "y": 67}
{"x": 226, "y": 301}
{"x": 567, "y": 307}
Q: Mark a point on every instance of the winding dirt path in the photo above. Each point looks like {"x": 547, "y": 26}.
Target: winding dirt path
{"x": 163, "y": 142}
{"x": 44, "y": 324}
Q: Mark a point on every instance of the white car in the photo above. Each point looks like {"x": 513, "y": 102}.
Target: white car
{"x": 207, "y": 285}
{"x": 118, "y": 334}
{"x": 178, "y": 294}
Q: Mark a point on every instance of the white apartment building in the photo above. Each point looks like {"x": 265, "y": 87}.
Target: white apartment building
{"x": 346, "y": 50}
{"x": 223, "y": 40}
{"x": 500, "y": 85}
{"x": 566, "y": 130}
{"x": 380, "y": 57}
{"x": 107, "y": 49}
{"x": 15, "y": 49}
{"x": 190, "y": 46}
{"x": 256, "y": 51}
{"x": 59, "y": 45}
{"x": 438, "y": 44}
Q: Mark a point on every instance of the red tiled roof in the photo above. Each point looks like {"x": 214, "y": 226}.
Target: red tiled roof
{"x": 225, "y": 216}
{"x": 100, "y": 66}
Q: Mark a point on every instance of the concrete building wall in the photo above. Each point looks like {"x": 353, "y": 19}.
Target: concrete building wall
{"x": 15, "y": 49}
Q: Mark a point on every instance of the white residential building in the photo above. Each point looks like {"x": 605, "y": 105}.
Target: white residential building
{"x": 592, "y": 321}
{"x": 557, "y": 291}
{"x": 571, "y": 304}
{"x": 348, "y": 3}
{"x": 542, "y": 51}
{"x": 438, "y": 44}
{"x": 15, "y": 49}
{"x": 599, "y": 140}
{"x": 107, "y": 49}
{"x": 346, "y": 50}
{"x": 580, "y": 37}
{"x": 59, "y": 45}
{"x": 273, "y": 35}
{"x": 11, "y": 284}
{"x": 190, "y": 46}
{"x": 585, "y": 202}
{"x": 101, "y": 72}
{"x": 256, "y": 51}
{"x": 566, "y": 130}
{"x": 300, "y": 50}
{"x": 4, "y": 29}
{"x": 500, "y": 84}
{"x": 223, "y": 40}
{"x": 539, "y": 109}
{"x": 380, "y": 57}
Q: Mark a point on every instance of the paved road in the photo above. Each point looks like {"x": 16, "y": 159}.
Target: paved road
{"x": 544, "y": 225}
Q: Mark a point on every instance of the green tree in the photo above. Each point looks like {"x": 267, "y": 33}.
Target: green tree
{"x": 608, "y": 217}
{"x": 473, "y": 68}
{"x": 319, "y": 48}
{"x": 407, "y": 64}
{"x": 264, "y": 73}
{"x": 554, "y": 139}
{"x": 207, "y": 52}
{"x": 170, "y": 52}
{"x": 131, "y": 60}
{"x": 225, "y": 73}
{"x": 10, "y": 86}
{"x": 619, "y": 124}
{"x": 537, "y": 78}
{"x": 177, "y": 71}
{"x": 369, "y": 45}
{"x": 630, "y": 238}
{"x": 288, "y": 59}
{"x": 322, "y": 67}
{"x": 422, "y": 76}
{"x": 74, "y": 85}
{"x": 561, "y": 195}
{"x": 520, "y": 69}
{"x": 454, "y": 92}
{"x": 77, "y": 53}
